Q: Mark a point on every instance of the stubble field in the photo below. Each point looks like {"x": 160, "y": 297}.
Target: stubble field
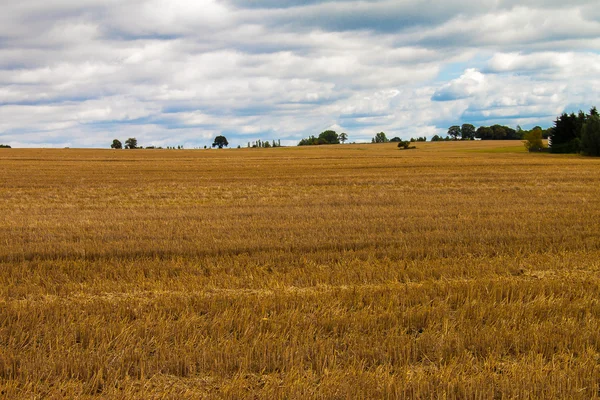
{"x": 456, "y": 270}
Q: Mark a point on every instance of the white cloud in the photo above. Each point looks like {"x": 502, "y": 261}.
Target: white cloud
{"x": 471, "y": 83}
{"x": 178, "y": 72}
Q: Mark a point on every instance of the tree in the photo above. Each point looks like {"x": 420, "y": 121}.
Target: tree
{"x": 395, "y": 139}
{"x": 116, "y": 144}
{"x": 467, "y": 132}
{"x": 325, "y": 137}
{"x": 590, "y": 136}
{"x": 533, "y": 140}
{"x": 343, "y": 137}
{"x": 220, "y": 141}
{"x": 565, "y": 134}
{"x": 311, "y": 140}
{"x": 131, "y": 143}
{"x": 454, "y": 131}
{"x": 499, "y": 132}
{"x": 329, "y": 137}
{"x": 380, "y": 138}
{"x": 405, "y": 145}
{"x": 484, "y": 133}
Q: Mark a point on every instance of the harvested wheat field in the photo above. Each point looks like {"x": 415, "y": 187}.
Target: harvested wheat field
{"x": 456, "y": 270}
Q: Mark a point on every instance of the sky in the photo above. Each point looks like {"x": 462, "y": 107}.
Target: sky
{"x": 80, "y": 73}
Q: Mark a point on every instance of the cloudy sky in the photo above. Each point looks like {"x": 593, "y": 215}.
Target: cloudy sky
{"x": 80, "y": 73}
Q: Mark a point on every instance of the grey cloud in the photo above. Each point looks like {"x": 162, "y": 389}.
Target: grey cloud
{"x": 85, "y": 72}
{"x": 518, "y": 29}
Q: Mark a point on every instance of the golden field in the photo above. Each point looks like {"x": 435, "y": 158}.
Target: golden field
{"x": 459, "y": 270}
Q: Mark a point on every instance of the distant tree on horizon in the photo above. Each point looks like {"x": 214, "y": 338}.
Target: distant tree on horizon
{"x": 329, "y": 137}
{"x": 454, "y": 132}
{"x": 380, "y": 138}
{"x": 343, "y": 137}
{"x": 467, "y": 132}
{"x": 220, "y": 142}
{"x": 131, "y": 143}
{"x": 116, "y": 144}
{"x": 325, "y": 137}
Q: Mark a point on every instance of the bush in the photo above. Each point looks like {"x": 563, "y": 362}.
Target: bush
{"x": 405, "y": 145}
{"x": 533, "y": 140}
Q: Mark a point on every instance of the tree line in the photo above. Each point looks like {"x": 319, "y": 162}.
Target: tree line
{"x": 576, "y": 133}
{"x": 132, "y": 143}
{"x": 571, "y": 133}
{"x": 264, "y": 144}
{"x": 325, "y": 137}
{"x": 332, "y": 137}
{"x": 219, "y": 141}
{"x": 494, "y": 132}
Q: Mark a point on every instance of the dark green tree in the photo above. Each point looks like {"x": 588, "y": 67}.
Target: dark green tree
{"x": 467, "y": 132}
{"x": 343, "y": 137}
{"x": 311, "y": 140}
{"x": 220, "y": 142}
{"x": 329, "y": 137}
{"x": 380, "y": 138}
{"x": 454, "y": 132}
{"x": 498, "y": 132}
{"x": 116, "y": 144}
{"x": 565, "y": 134}
{"x": 131, "y": 143}
{"x": 590, "y": 135}
{"x": 484, "y": 133}
{"x": 512, "y": 134}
